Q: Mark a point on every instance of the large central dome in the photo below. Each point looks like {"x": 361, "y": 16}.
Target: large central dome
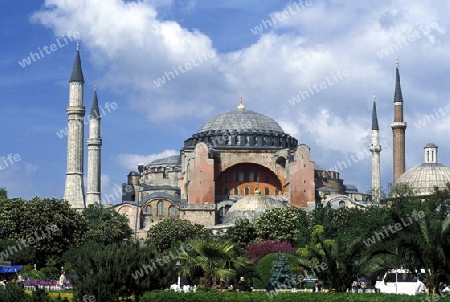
{"x": 242, "y": 129}
{"x": 242, "y": 120}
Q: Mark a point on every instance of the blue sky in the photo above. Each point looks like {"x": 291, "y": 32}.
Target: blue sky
{"x": 269, "y": 51}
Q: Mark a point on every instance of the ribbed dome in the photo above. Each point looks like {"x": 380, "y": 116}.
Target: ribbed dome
{"x": 242, "y": 120}
{"x": 425, "y": 177}
{"x": 251, "y": 207}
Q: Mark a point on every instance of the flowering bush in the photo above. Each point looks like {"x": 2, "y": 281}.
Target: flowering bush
{"x": 258, "y": 250}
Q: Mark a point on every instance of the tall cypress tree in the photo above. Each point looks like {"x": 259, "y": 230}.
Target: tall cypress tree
{"x": 281, "y": 275}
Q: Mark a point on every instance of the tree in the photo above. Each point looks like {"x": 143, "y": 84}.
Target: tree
{"x": 3, "y": 194}
{"x": 48, "y": 226}
{"x": 117, "y": 272}
{"x": 281, "y": 275}
{"x": 242, "y": 233}
{"x": 285, "y": 224}
{"x": 213, "y": 258}
{"x": 106, "y": 226}
{"x": 171, "y": 232}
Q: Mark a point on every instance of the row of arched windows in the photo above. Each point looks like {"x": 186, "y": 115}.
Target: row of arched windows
{"x": 159, "y": 209}
{"x": 247, "y": 191}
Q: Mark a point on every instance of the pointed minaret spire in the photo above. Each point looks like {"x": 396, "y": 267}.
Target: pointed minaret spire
{"x": 95, "y": 113}
{"x": 77, "y": 72}
{"x": 398, "y": 89}
{"x": 94, "y": 144}
{"x": 375, "y": 148}
{"x": 74, "y": 188}
{"x": 374, "y": 114}
{"x": 398, "y": 129}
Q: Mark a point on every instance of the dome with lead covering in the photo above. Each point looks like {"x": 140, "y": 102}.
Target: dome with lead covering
{"x": 251, "y": 207}
{"x": 423, "y": 178}
{"x": 242, "y": 128}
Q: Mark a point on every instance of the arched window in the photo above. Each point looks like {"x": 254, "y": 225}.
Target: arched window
{"x": 171, "y": 211}
{"x": 236, "y": 191}
{"x": 341, "y": 204}
{"x": 148, "y": 210}
{"x": 277, "y": 191}
{"x": 160, "y": 208}
{"x": 246, "y": 191}
{"x": 266, "y": 191}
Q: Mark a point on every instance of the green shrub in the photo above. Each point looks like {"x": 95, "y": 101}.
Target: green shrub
{"x": 264, "y": 267}
{"x": 216, "y": 296}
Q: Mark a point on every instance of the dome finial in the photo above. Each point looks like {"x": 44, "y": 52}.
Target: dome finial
{"x": 374, "y": 97}
{"x": 78, "y": 46}
{"x": 396, "y": 63}
{"x": 241, "y": 105}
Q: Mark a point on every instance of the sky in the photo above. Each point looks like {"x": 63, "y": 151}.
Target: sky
{"x": 163, "y": 68}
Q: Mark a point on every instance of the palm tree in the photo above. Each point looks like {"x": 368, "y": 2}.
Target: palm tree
{"x": 340, "y": 263}
{"x": 428, "y": 249}
{"x": 214, "y": 258}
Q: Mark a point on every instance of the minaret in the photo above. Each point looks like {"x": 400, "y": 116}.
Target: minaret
{"x": 398, "y": 129}
{"x": 94, "y": 144}
{"x": 74, "y": 190}
{"x": 375, "y": 148}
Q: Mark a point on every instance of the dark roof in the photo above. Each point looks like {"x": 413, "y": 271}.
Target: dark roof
{"x": 77, "y": 72}
{"x": 95, "y": 113}
{"x": 430, "y": 145}
{"x": 174, "y": 159}
{"x": 398, "y": 89}
{"x": 161, "y": 195}
{"x": 374, "y": 117}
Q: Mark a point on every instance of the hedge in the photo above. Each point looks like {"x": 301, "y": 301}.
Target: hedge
{"x": 169, "y": 296}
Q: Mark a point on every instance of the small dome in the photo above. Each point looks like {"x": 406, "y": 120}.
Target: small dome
{"x": 425, "y": 177}
{"x": 251, "y": 207}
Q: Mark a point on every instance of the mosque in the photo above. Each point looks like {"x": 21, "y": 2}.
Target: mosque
{"x": 238, "y": 165}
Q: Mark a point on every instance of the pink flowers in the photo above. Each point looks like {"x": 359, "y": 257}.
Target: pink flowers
{"x": 258, "y": 250}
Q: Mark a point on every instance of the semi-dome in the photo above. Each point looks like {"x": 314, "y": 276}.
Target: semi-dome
{"x": 423, "y": 178}
{"x": 251, "y": 207}
{"x": 242, "y": 128}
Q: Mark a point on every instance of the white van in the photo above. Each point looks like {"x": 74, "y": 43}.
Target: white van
{"x": 398, "y": 281}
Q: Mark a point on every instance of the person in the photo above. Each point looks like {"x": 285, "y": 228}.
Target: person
{"x": 20, "y": 279}
{"x": 317, "y": 287}
{"x": 270, "y": 287}
{"x": 242, "y": 285}
{"x": 223, "y": 285}
{"x": 62, "y": 280}
{"x": 355, "y": 286}
{"x": 363, "y": 286}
